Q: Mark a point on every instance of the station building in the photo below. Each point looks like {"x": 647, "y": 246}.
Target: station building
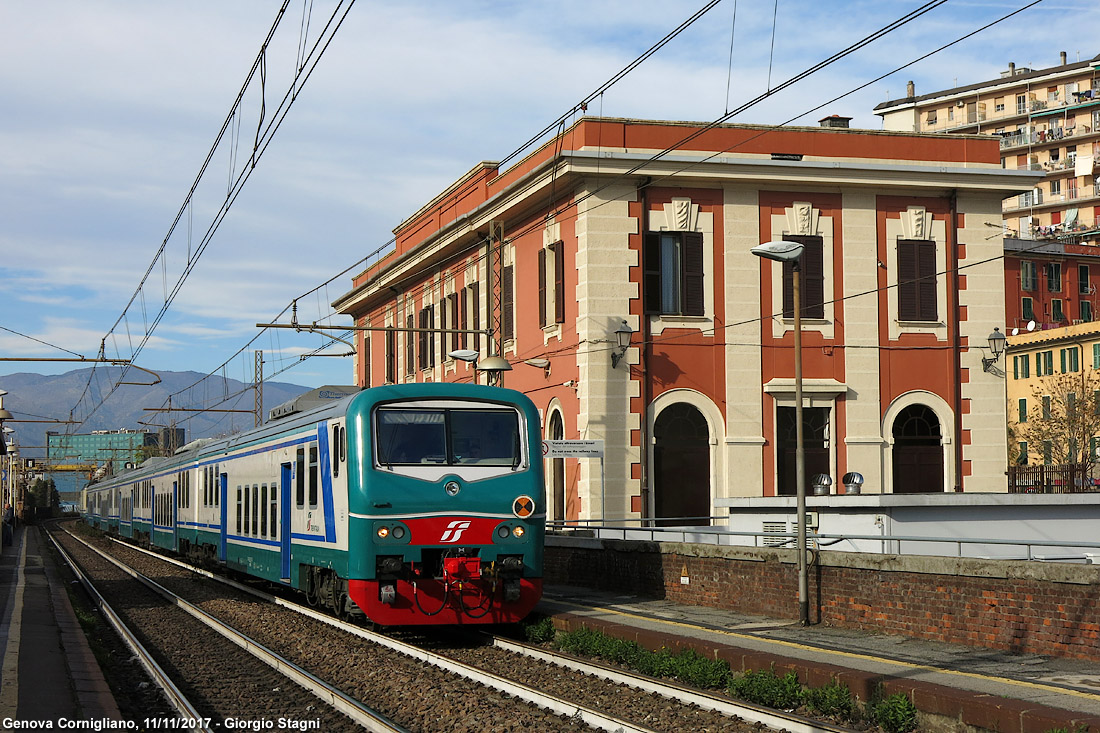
{"x": 647, "y": 226}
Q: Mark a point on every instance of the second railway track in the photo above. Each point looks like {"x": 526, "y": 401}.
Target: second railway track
{"x": 415, "y": 694}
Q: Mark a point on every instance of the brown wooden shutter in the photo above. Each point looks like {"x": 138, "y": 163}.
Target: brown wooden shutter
{"x": 422, "y": 340}
{"x": 813, "y": 278}
{"x": 691, "y": 291}
{"x": 453, "y": 303}
{"x": 559, "y": 282}
{"x": 475, "y": 307}
{"x": 410, "y": 345}
{"x": 464, "y": 316}
{"x": 542, "y": 287}
{"x": 926, "y": 262}
{"x": 391, "y": 356}
{"x": 431, "y": 335}
{"x": 812, "y": 264}
{"x": 507, "y": 299}
{"x": 651, "y": 273}
{"x": 443, "y": 324}
{"x": 366, "y": 361}
{"x": 917, "y": 280}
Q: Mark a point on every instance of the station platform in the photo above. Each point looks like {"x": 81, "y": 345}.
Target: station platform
{"x": 49, "y": 672}
{"x": 957, "y": 686}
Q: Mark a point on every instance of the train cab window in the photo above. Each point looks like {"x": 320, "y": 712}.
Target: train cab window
{"x": 300, "y": 478}
{"x": 313, "y": 475}
{"x": 485, "y": 437}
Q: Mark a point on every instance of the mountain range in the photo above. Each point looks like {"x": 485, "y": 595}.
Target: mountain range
{"x": 37, "y": 397}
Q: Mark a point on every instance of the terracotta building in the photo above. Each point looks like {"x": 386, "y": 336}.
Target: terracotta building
{"x": 649, "y": 225}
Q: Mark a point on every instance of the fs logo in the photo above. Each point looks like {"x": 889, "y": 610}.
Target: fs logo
{"x": 454, "y": 531}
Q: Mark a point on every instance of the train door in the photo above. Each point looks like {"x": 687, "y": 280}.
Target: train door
{"x": 173, "y": 513}
{"x": 223, "y": 522}
{"x": 285, "y": 482}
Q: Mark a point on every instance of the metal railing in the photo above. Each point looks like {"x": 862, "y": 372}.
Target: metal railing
{"x": 1062, "y": 478}
{"x": 962, "y": 547}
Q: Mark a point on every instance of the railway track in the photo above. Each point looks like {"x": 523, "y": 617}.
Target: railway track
{"x": 476, "y": 687}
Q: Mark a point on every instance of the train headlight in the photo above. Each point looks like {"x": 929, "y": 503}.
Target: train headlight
{"x": 383, "y": 532}
{"x": 518, "y": 532}
{"x": 503, "y": 532}
{"x": 398, "y": 532}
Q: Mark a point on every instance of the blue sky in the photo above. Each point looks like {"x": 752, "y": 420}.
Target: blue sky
{"x": 111, "y": 107}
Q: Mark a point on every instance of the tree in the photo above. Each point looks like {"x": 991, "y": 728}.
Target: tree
{"x": 1063, "y": 419}
{"x": 43, "y": 494}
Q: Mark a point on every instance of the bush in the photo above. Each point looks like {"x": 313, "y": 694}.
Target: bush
{"x": 769, "y": 689}
{"x": 834, "y": 699}
{"x": 688, "y": 666}
{"x": 539, "y": 629}
{"x": 895, "y": 714}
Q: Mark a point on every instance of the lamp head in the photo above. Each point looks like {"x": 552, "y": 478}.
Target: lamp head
{"x": 780, "y": 251}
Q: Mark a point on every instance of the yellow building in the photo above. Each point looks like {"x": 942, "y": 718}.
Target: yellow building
{"x": 1052, "y": 374}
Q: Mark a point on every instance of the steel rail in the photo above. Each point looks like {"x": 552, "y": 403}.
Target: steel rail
{"x": 772, "y": 719}
{"x": 746, "y": 711}
{"x": 175, "y": 697}
{"x": 364, "y": 716}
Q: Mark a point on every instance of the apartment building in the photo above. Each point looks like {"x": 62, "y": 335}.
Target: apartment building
{"x": 643, "y": 229}
{"x": 1047, "y": 120}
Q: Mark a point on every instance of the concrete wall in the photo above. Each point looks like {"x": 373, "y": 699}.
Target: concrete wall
{"x": 1035, "y": 608}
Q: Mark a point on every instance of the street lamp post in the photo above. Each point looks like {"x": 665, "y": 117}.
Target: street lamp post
{"x": 791, "y": 252}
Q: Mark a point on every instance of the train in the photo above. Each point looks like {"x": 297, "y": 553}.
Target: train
{"x": 401, "y": 505}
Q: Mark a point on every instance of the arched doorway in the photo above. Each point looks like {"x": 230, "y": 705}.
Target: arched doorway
{"x": 918, "y": 451}
{"x": 556, "y": 431}
{"x": 681, "y": 463}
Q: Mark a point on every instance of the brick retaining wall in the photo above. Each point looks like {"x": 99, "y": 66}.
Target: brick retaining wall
{"x": 1025, "y": 607}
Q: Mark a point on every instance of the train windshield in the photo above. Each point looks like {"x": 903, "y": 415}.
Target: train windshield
{"x": 448, "y": 437}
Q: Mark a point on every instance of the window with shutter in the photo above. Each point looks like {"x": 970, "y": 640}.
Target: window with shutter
{"x": 917, "y": 280}
{"x": 452, "y": 301}
{"x": 443, "y": 324}
{"x": 673, "y": 264}
{"x": 391, "y": 356}
{"x": 507, "y": 300}
{"x": 410, "y": 344}
{"x": 422, "y": 339}
{"x": 463, "y": 316}
{"x": 812, "y": 278}
{"x": 542, "y": 287}
{"x": 475, "y": 309}
{"x": 559, "y": 282}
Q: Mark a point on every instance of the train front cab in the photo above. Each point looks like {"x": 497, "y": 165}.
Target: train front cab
{"x": 447, "y": 515}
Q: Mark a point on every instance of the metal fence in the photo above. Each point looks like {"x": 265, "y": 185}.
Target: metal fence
{"x": 1062, "y": 478}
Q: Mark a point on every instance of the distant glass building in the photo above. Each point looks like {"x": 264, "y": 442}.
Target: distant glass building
{"x": 103, "y": 449}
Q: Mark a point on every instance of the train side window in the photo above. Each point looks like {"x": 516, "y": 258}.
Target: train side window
{"x": 247, "y": 510}
{"x": 274, "y": 524}
{"x": 217, "y": 486}
{"x": 313, "y": 474}
{"x": 335, "y": 451}
{"x": 300, "y": 478}
{"x": 263, "y": 510}
{"x": 255, "y": 509}
{"x": 238, "y": 510}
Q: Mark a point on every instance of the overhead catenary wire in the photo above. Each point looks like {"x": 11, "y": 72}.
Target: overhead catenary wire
{"x": 480, "y": 243}
{"x": 264, "y": 137}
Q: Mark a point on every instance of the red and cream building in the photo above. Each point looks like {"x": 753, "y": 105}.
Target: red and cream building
{"x": 652, "y": 223}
